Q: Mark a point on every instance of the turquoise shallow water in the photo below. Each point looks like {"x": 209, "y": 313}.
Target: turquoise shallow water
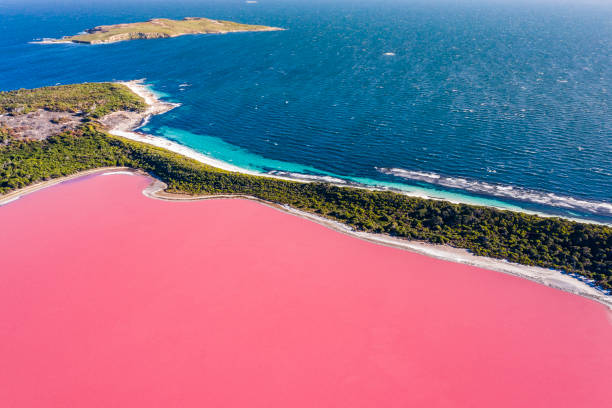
{"x": 219, "y": 149}
{"x": 499, "y": 104}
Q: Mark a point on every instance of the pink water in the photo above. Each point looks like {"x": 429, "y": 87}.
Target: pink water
{"x": 112, "y": 299}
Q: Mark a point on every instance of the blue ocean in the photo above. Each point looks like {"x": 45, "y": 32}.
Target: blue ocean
{"x": 499, "y": 103}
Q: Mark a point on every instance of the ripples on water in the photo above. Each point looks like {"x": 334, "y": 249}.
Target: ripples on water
{"x": 512, "y": 100}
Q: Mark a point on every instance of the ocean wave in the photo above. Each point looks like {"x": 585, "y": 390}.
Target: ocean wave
{"x": 503, "y": 191}
{"x": 307, "y": 177}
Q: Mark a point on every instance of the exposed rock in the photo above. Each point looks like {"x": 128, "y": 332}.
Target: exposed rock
{"x": 39, "y": 124}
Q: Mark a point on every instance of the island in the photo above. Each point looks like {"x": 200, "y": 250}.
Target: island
{"x": 58, "y": 131}
{"x": 156, "y": 28}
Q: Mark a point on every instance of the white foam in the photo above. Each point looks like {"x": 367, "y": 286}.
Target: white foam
{"x": 110, "y": 173}
{"x": 308, "y": 177}
{"x": 9, "y": 201}
{"x": 504, "y": 191}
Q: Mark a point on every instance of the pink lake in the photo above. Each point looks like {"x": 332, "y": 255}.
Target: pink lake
{"x": 111, "y": 299}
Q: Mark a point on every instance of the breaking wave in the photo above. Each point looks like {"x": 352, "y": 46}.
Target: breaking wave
{"x": 503, "y": 191}
{"x": 307, "y": 177}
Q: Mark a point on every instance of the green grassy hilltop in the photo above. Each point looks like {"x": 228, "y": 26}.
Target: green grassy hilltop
{"x": 159, "y": 28}
{"x": 90, "y": 100}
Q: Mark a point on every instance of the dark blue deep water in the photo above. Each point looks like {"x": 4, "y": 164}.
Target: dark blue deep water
{"x": 490, "y": 102}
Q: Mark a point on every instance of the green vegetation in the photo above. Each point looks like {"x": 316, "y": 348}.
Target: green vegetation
{"x": 549, "y": 242}
{"x": 4, "y": 135}
{"x": 60, "y": 120}
{"x": 92, "y": 100}
{"x": 159, "y": 28}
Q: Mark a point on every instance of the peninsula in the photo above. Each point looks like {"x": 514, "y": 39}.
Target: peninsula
{"x": 58, "y": 131}
{"x": 156, "y": 28}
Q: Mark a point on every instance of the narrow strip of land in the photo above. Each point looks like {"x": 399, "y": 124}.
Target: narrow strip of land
{"x": 548, "y": 277}
{"x": 581, "y": 249}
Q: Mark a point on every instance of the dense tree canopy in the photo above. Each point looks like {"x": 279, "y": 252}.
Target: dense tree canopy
{"x": 93, "y": 100}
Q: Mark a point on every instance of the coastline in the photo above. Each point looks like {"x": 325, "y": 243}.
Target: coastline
{"x": 67, "y": 40}
{"x": 223, "y": 279}
{"x": 51, "y": 42}
{"x": 547, "y": 277}
{"x": 17, "y": 194}
{"x": 126, "y": 124}
{"x": 129, "y": 122}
